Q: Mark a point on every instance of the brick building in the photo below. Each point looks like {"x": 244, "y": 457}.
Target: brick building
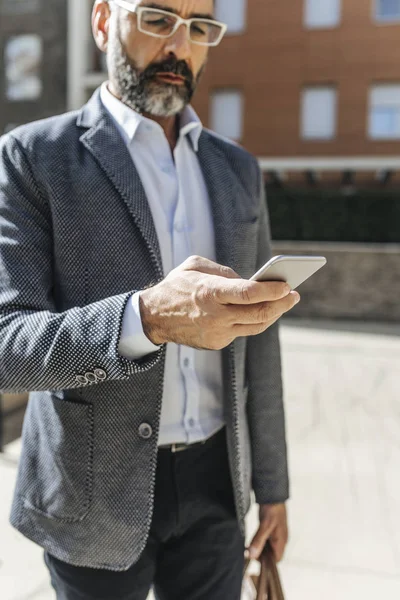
{"x": 315, "y": 77}
{"x": 291, "y": 81}
{"x": 306, "y": 85}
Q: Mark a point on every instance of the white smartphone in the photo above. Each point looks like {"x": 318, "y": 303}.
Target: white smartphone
{"x": 294, "y": 270}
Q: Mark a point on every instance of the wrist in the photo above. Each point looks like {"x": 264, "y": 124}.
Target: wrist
{"x": 150, "y": 319}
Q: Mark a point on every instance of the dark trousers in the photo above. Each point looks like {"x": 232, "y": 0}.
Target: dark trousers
{"x": 195, "y": 548}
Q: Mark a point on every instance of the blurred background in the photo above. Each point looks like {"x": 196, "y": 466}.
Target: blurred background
{"x": 312, "y": 88}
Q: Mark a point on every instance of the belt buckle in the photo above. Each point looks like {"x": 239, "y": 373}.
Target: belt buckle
{"x": 178, "y": 448}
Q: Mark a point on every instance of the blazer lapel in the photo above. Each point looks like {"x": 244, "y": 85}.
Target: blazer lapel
{"x": 225, "y": 192}
{"x": 222, "y": 189}
{"x": 103, "y": 140}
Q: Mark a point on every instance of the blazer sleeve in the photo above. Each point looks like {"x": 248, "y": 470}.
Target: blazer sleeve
{"x": 265, "y": 396}
{"x": 41, "y": 349}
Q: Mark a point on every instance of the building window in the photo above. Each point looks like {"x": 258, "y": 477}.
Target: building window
{"x": 23, "y": 61}
{"x": 318, "y": 113}
{"x": 227, "y": 113}
{"x": 387, "y": 10}
{"x": 233, "y": 13}
{"x": 320, "y": 14}
{"x": 384, "y": 112}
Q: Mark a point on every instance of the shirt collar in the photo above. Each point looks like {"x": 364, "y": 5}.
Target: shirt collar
{"x": 129, "y": 121}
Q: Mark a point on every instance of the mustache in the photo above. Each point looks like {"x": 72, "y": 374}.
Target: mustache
{"x": 171, "y": 65}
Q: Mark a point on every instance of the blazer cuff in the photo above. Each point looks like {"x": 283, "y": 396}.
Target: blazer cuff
{"x": 133, "y": 342}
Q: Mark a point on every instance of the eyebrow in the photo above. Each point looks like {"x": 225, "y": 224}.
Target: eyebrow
{"x": 175, "y": 12}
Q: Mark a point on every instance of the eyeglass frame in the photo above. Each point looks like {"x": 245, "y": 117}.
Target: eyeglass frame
{"x": 138, "y": 10}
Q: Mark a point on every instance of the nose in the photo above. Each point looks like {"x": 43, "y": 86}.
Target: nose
{"x": 179, "y": 43}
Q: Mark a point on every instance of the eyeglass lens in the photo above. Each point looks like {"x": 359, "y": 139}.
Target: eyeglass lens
{"x": 160, "y": 24}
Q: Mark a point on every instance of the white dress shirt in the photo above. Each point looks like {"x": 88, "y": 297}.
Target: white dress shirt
{"x": 192, "y": 406}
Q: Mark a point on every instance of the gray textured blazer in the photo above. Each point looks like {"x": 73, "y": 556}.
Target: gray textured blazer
{"x": 76, "y": 240}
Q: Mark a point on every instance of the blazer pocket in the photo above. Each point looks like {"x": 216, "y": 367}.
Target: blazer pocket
{"x": 58, "y": 458}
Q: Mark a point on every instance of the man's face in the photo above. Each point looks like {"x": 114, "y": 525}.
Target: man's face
{"x": 140, "y": 66}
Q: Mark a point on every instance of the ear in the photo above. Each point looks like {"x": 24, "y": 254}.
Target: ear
{"x": 101, "y": 23}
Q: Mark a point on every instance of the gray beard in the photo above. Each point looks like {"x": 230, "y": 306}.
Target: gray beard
{"x": 143, "y": 96}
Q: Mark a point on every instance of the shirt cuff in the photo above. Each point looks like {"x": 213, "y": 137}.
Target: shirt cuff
{"x": 133, "y": 342}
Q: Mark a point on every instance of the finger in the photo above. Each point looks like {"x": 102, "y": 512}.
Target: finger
{"x": 252, "y": 330}
{"x": 249, "y": 292}
{"x": 264, "y": 312}
{"x": 279, "y": 540}
{"x": 204, "y": 265}
{"x": 260, "y": 539}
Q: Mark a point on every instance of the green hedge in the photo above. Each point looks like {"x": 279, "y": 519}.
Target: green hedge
{"x": 371, "y": 216}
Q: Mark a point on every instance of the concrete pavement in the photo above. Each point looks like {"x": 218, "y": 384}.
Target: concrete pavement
{"x": 343, "y": 414}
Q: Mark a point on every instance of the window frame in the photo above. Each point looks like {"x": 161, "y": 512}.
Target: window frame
{"x": 372, "y": 107}
{"x": 243, "y": 30}
{"x": 383, "y": 20}
{"x": 313, "y": 87}
{"x": 226, "y": 90}
{"x": 310, "y": 27}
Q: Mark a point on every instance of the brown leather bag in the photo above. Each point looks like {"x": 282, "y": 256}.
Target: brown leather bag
{"x": 267, "y": 584}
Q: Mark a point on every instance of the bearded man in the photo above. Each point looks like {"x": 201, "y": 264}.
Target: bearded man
{"x": 128, "y": 234}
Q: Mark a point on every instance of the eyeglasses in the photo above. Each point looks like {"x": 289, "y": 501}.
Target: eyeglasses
{"x": 163, "y": 24}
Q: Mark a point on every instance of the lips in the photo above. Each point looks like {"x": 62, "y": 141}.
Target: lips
{"x": 171, "y": 78}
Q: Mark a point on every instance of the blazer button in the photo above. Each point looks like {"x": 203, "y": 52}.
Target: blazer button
{"x": 100, "y": 374}
{"x": 81, "y": 379}
{"x": 91, "y": 377}
{"x": 145, "y": 431}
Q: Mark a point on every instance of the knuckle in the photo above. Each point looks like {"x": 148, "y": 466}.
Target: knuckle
{"x": 193, "y": 261}
{"x": 204, "y": 293}
{"x": 280, "y": 290}
{"x": 228, "y": 272}
{"x": 245, "y": 293}
{"x": 264, "y": 312}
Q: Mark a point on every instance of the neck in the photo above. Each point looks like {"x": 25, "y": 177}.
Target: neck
{"x": 170, "y": 125}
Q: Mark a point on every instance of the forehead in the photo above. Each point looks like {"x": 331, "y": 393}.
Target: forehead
{"x": 185, "y": 8}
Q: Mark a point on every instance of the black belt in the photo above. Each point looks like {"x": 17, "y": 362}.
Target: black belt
{"x": 182, "y": 447}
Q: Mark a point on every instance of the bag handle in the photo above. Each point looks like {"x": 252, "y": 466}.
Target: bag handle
{"x": 269, "y": 584}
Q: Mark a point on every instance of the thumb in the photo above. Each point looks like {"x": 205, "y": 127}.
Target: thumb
{"x": 260, "y": 539}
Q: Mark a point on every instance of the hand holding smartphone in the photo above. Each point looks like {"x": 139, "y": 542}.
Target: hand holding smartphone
{"x": 293, "y": 270}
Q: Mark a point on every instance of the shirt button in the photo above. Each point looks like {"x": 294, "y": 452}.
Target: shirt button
{"x": 191, "y": 422}
{"x": 186, "y": 362}
{"x": 179, "y": 227}
{"x": 145, "y": 431}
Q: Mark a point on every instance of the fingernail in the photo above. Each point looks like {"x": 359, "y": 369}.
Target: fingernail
{"x": 253, "y": 553}
{"x": 296, "y": 297}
